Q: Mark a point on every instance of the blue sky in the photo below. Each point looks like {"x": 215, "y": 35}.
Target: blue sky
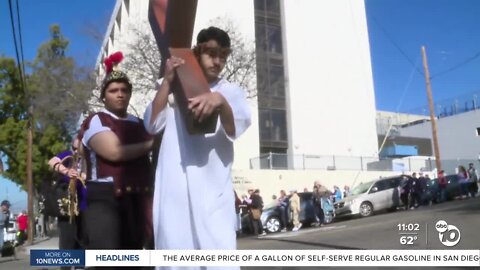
{"x": 16, "y": 196}
{"x": 450, "y": 30}
{"x": 73, "y": 16}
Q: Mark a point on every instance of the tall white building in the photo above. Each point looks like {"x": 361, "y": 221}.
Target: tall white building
{"x": 313, "y": 70}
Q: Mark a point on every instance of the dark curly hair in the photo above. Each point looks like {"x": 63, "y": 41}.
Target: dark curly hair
{"x": 215, "y": 33}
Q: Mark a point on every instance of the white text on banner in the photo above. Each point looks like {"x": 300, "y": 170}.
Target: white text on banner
{"x": 447, "y": 257}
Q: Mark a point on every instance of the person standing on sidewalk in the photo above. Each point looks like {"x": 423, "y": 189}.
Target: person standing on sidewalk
{"x": 442, "y": 185}
{"x": 295, "y": 208}
{"x": 22, "y": 221}
{"x": 282, "y": 206}
{"x": 473, "y": 177}
{"x": 256, "y": 213}
{"x": 4, "y": 220}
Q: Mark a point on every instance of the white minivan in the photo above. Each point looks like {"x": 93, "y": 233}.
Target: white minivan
{"x": 365, "y": 198}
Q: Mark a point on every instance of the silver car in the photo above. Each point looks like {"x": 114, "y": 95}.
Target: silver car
{"x": 365, "y": 198}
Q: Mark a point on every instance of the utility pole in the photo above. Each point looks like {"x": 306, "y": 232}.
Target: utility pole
{"x": 433, "y": 119}
{"x": 29, "y": 175}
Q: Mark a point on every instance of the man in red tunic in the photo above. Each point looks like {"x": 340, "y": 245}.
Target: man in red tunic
{"x": 119, "y": 184}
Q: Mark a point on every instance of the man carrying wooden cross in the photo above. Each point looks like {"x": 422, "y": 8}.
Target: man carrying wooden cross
{"x": 194, "y": 206}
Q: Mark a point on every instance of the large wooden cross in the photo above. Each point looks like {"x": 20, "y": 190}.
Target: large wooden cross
{"x": 172, "y": 23}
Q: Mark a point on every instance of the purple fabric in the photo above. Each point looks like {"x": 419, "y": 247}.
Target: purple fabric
{"x": 81, "y": 190}
{"x": 67, "y": 163}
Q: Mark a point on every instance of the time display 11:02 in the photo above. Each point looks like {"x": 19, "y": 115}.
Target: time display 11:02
{"x": 408, "y": 227}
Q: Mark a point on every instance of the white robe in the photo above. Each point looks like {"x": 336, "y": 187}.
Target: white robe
{"x": 194, "y": 203}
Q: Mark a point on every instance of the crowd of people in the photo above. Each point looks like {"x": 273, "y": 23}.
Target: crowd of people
{"x": 287, "y": 205}
{"x": 414, "y": 191}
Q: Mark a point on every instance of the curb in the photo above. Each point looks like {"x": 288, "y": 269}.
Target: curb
{"x": 14, "y": 257}
{"x": 23, "y": 251}
{"x": 8, "y": 259}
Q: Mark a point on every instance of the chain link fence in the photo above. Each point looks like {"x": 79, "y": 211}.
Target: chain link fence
{"x": 273, "y": 161}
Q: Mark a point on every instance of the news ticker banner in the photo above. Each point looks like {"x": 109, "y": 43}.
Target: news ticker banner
{"x": 444, "y": 257}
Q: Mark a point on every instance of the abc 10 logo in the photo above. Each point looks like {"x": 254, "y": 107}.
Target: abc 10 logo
{"x": 449, "y": 235}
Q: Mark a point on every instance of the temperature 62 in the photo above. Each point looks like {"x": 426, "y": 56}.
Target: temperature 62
{"x": 408, "y": 239}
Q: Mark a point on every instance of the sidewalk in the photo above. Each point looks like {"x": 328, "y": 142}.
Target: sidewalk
{"x": 22, "y": 253}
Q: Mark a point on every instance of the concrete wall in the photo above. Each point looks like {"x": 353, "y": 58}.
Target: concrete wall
{"x": 270, "y": 182}
{"x": 457, "y": 135}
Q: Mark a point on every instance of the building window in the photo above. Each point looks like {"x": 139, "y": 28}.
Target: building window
{"x": 273, "y": 128}
{"x": 270, "y": 77}
{"x": 478, "y": 131}
{"x": 274, "y": 39}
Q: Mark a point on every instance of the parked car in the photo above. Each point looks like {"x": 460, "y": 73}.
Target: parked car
{"x": 366, "y": 198}
{"x": 433, "y": 190}
{"x": 271, "y": 220}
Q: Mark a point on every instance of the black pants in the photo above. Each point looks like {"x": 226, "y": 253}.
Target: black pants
{"x": 319, "y": 213}
{"x": 404, "y": 199}
{"x": 68, "y": 235}
{"x": 283, "y": 215}
{"x": 414, "y": 199}
{"x": 473, "y": 188}
{"x": 21, "y": 237}
{"x": 257, "y": 225}
{"x": 112, "y": 222}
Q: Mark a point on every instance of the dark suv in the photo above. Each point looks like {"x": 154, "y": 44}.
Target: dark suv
{"x": 433, "y": 190}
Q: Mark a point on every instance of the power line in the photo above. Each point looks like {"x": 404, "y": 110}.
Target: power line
{"x": 464, "y": 62}
{"x": 396, "y": 45}
{"x": 407, "y": 86}
{"x": 21, "y": 41}
{"x": 19, "y": 64}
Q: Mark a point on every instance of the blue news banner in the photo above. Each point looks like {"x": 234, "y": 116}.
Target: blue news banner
{"x": 55, "y": 257}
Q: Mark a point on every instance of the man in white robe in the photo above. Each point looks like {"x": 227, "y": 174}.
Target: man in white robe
{"x": 194, "y": 202}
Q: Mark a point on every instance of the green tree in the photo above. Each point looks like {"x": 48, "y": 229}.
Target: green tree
{"x": 58, "y": 90}
{"x": 57, "y": 81}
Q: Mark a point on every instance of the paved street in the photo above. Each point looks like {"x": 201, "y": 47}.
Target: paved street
{"x": 377, "y": 232}
{"x": 381, "y": 231}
